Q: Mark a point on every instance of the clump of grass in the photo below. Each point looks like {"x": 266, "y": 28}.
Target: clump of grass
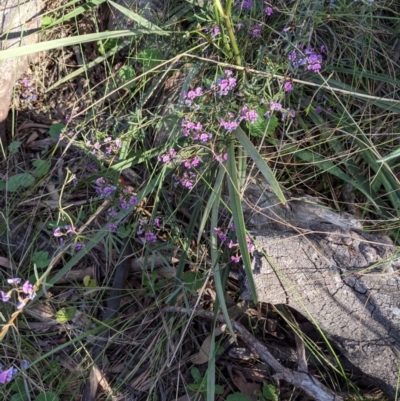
{"x": 303, "y": 92}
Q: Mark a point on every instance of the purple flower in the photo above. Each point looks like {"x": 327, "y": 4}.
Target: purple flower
{"x": 231, "y": 227}
{"x": 100, "y": 181}
{"x": 287, "y": 86}
{"x": 245, "y": 5}
{"x": 133, "y": 200}
{"x": 248, "y": 115}
{"x": 57, "y": 232}
{"x": 108, "y": 191}
{"x": 215, "y": 31}
{"x": 269, "y": 11}
{"x": 235, "y": 259}
{"x": 221, "y": 158}
{"x": 97, "y": 146}
{"x": 250, "y": 244}
{"x": 275, "y": 106}
{"x": 204, "y": 137}
{"x": 239, "y": 27}
{"x": 231, "y": 244}
{"x": 292, "y": 56}
{"x": 112, "y": 213}
{"x": 7, "y": 375}
{"x": 150, "y": 237}
{"x": 118, "y": 143}
{"x": 229, "y": 125}
{"x": 318, "y": 109}
{"x": 78, "y": 246}
{"x": 256, "y": 31}
{"x": 157, "y": 222}
{"x": 112, "y": 228}
{"x": 13, "y": 281}
{"x": 27, "y": 288}
{"x": 4, "y": 296}
{"x": 123, "y": 203}
{"x": 71, "y": 229}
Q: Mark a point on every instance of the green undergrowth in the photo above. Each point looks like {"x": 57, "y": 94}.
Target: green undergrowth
{"x": 150, "y": 137}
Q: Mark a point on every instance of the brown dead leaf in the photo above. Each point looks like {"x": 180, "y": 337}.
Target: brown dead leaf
{"x": 202, "y": 356}
{"x": 248, "y": 389}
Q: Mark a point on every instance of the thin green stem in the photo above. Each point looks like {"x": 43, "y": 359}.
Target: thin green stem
{"x": 219, "y": 12}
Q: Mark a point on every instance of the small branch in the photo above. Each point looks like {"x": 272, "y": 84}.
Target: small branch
{"x": 305, "y": 381}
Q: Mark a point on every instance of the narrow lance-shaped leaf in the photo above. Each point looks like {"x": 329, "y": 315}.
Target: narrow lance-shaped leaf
{"x": 260, "y": 163}
{"x": 238, "y": 218}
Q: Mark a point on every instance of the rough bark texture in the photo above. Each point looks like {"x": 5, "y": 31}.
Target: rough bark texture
{"x": 322, "y": 264}
{"x": 19, "y": 24}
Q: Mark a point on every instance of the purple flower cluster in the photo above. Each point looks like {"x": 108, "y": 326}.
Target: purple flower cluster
{"x": 147, "y": 236}
{"x": 168, "y": 157}
{"x": 102, "y": 189}
{"x": 107, "y": 146}
{"x": 28, "y": 90}
{"x": 224, "y": 84}
{"x": 26, "y": 288}
{"x": 71, "y": 232}
{"x": 248, "y": 115}
{"x": 192, "y": 95}
{"x": 306, "y": 57}
{"x": 244, "y": 4}
{"x": 275, "y": 106}
{"x": 195, "y": 131}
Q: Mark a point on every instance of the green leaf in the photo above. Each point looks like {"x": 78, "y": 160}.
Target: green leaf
{"x": 41, "y": 259}
{"x": 237, "y": 397}
{"x": 390, "y": 156}
{"x": 42, "y": 167}
{"x": 260, "y": 163}
{"x": 56, "y": 129}
{"x": 18, "y": 387}
{"x": 17, "y": 181}
{"x": 47, "y": 396}
{"x": 135, "y": 17}
{"x": 150, "y": 58}
{"x": 72, "y": 40}
{"x": 193, "y": 280}
{"x": 195, "y": 372}
{"x": 269, "y": 392}
{"x": 89, "y": 282}
{"x": 46, "y": 21}
{"x": 238, "y": 219}
{"x": 124, "y": 231}
{"x": 14, "y": 146}
{"x": 263, "y": 126}
{"x": 127, "y": 73}
{"x": 63, "y": 315}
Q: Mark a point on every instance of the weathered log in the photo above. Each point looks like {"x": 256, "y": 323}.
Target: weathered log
{"x": 19, "y": 25}
{"x": 322, "y": 264}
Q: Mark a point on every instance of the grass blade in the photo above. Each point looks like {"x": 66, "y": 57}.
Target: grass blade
{"x": 260, "y": 163}
{"x": 73, "y": 40}
{"x": 238, "y": 218}
{"x": 135, "y": 17}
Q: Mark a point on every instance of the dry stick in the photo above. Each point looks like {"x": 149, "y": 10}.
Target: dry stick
{"x": 303, "y": 380}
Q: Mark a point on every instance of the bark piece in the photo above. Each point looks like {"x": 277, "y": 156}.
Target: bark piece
{"x": 19, "y": 25}
{"x": 322, "y": 264}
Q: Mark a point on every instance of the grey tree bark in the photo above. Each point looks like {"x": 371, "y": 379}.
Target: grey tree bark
{"x": 19, "y": 24}
{"x": 324, "y": 265}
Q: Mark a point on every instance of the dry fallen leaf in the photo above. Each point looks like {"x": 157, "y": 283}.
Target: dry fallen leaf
{"x": 202, "y": 356}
